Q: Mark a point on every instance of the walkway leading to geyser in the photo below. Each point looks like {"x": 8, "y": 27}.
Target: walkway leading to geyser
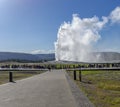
{"x": 50, "y": 89}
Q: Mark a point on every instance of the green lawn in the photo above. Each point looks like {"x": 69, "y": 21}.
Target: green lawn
{"x": 17, "y": 75}
{"x": 101, "y": 87}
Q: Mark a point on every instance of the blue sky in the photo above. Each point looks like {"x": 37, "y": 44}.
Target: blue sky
{"x": 32, "y": 25}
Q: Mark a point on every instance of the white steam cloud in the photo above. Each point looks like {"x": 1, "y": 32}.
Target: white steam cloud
{"x": 115, "y": 15}
{"x": 75, "y": 39}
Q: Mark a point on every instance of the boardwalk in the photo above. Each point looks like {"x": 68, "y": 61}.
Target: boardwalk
{"x": 50, "y": 89}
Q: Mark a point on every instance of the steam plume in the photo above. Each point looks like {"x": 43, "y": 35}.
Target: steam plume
{"x": 115, "y": 15}
{"x": 75, "y": 39}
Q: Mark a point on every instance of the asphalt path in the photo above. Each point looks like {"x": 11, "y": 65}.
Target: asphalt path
{"x": 50, "y": 89}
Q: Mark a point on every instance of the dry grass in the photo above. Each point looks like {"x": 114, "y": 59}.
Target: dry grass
{"x": 101, "y": 87}
{"x": 4, "y": 75}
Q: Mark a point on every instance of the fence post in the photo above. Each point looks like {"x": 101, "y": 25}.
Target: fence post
{"x": 10, "y": 76}
{"x": 74, "y": 74}
{"x": 80, "y": 76}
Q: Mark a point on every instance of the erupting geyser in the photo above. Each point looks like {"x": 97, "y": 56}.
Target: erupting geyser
{"x": 75, "y": 39}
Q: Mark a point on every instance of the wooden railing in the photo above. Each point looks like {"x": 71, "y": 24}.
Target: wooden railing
{"x": 89, "y": 69}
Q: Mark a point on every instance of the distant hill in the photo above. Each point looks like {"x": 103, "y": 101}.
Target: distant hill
{"x": 4, "y": 56}
{"x": 100, "y": 56}
{"x": 49, "y": 57}
{"x": 107, "y": 56}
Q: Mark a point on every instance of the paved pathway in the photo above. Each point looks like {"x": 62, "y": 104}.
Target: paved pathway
{"x": 50, "y": 89}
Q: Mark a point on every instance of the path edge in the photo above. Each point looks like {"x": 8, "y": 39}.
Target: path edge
{"x": 80, "y": 98}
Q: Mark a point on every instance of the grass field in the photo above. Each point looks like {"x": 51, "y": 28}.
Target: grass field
{"x": 17, "y": 75}
{"x": 101, "y": 87}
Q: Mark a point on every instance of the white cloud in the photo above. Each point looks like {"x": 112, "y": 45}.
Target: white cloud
{"x": 115, "y": 15}
{"x": 42, "y": 51}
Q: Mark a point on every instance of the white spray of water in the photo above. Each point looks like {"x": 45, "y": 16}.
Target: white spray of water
{"x": 115, "y": 15}
{"x": 75, "y": 39}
